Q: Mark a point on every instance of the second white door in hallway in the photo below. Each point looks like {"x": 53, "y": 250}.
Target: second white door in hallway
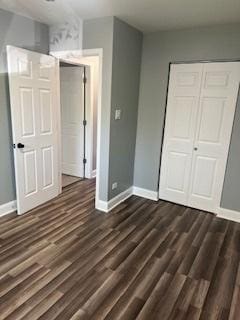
{"x": 72, "y": 111}
{"x": 200, "y": 112}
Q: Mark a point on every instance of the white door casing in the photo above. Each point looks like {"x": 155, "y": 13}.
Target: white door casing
{"x": 211, "y": 125}
{"x": 34, "y": 112}
{"x": 72, "y": 111}
{"x": 75, "y": 56}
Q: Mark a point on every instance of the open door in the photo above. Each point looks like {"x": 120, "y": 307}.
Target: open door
{"x": 33, "y": 83}
{"x": 72, "y": 119}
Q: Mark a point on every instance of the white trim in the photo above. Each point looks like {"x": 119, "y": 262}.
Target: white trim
{"x": 107, "y": 206}
{"x": 228, "y": 214}
{"x": 120, "y": 198}
{"x": 94, "y": 173}
{"x": 145, "y": 193}
{"x": 59, "y": 128}
{"x": 7, "y": 208}
{"x": 89, "y": 118}
{"x": 73, "y": 56}
{"x": 102, "y": 205}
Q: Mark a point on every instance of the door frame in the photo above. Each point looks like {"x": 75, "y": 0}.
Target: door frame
{"x": 90, "y": 68}
{"x": 74, "y": 57}
{"x": 165, "y": 114}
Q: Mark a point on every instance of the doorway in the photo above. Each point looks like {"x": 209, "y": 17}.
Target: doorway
{"x": 73, "y": 109}
{"x": 79, "y": 99}
{"x": 92, "y": 58}
{"x": 200, "y": 111}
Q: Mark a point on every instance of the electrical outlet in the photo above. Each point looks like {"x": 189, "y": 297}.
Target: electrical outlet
{"x": 114, "y": 185}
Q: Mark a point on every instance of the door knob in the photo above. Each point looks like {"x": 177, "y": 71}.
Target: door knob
{"x": 195, "y": 148}
{"x": 20, "y": 145}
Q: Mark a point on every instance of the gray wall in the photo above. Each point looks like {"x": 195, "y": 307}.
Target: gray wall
{"x": 127, "y": 49}
{"x": 231, "y": 187}
{"x": 220, "y": 42}
{"x": 22, "y": 32}
{"x": 98, "y": 33}
{"x": 121, "y": 72}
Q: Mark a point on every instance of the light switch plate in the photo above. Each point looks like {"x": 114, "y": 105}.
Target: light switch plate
{"x": 118, "y": 114}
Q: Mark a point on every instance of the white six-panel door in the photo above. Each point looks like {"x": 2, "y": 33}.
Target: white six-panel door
{"x": 34, "y": 113}
{"x": 217, "y": 104}
{"x": 181, "y": 119}
{"x": 200, "y": 111}
{"x": 72, "y": 112}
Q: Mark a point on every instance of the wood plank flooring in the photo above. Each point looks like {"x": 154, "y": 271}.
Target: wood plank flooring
{"x": 144, "y": 260}
{"x": 67, "y": 180}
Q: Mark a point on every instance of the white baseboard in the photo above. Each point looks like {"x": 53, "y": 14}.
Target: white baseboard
{"x": 94, "y": 173}
{"x": 7, "y": 208}
{"x": 107, "y": 206}
{"x": 101, "y": 205}
{"x": 228, "y": 214}
{"x": 119, "y": 198}
{"x": 145, "y": 193}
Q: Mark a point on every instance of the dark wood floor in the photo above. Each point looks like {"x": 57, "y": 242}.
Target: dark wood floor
{"x": 145, "y": 260}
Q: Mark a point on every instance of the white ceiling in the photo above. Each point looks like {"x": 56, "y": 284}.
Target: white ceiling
{"x": 146, "y": 15}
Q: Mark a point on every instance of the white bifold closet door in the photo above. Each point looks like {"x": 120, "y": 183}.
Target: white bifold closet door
{"x": 200, "y": 112}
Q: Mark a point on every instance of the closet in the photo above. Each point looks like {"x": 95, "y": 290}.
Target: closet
{"x": 200, "y": 111}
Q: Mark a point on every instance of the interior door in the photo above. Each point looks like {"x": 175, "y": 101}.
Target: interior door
{"x": 34, "y": 112}
{"x": 181, "y": 119}
{"x": 217, "y": 103}
{"x": 72, "y": 111}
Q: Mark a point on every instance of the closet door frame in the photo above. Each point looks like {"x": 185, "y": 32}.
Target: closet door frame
{"x": 216, "y": 210}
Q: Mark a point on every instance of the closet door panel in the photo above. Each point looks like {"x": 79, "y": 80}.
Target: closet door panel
{"x": 218, "y": 99}
{"x": 180, "y": 127}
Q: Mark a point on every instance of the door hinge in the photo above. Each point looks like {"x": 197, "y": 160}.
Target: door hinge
{"x": 84, "y": 122}
{"x": 84, "y": 160}
{"x": 84, "y": 79}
